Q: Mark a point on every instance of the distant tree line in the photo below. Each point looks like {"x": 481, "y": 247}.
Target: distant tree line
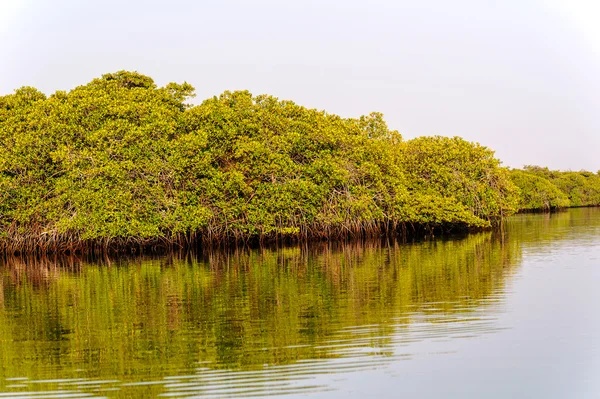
{"x": 544, "y": 189}
{"x": 122, "y": 163}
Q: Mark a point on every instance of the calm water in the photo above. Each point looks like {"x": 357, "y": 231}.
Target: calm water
{"x": 515, "y": 315}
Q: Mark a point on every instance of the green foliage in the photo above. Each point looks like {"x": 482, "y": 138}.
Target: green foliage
{"x": 537, "y": 192}
{"x": 268, "y": 167}
{"x": 581, "y": 188}
{"x": 91, "y": 163}
{"x": 121, "y": 161}
{"x": 463, "y": 174}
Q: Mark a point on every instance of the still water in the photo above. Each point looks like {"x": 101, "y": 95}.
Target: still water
{"x": 490, "y": 315}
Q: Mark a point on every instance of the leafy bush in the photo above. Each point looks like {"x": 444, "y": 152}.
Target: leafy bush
{"x": 122, "y": 162}
{"x": 582, "y": 188}
{"x": 537, "y": 192}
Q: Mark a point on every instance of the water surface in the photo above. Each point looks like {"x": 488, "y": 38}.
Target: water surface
{"x": 511, "y": 314}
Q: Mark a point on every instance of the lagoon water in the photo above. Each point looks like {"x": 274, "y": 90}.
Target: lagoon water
{"x": 512, "y": 314}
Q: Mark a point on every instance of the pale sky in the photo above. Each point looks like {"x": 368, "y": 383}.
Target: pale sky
{"x": 519, "y": 76}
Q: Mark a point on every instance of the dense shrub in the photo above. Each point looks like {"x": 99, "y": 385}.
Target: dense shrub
{"x": 465, "y": 173}
{"x": 122, "y": 162}
{"x": 581, "y": 188}
{"x": 537, "y": 192}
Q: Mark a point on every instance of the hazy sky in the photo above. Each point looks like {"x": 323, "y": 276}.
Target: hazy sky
{"x": 519, "y": 76}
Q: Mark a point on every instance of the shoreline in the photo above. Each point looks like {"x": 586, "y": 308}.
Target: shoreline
{"x": 162, "y": 245}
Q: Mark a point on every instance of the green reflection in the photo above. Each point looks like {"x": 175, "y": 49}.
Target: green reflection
{"x": 149, "y": 318}
{"x": 546, "y": 229}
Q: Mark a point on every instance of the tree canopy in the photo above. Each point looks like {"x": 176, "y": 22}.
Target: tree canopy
{"x": 121, "y": 161}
